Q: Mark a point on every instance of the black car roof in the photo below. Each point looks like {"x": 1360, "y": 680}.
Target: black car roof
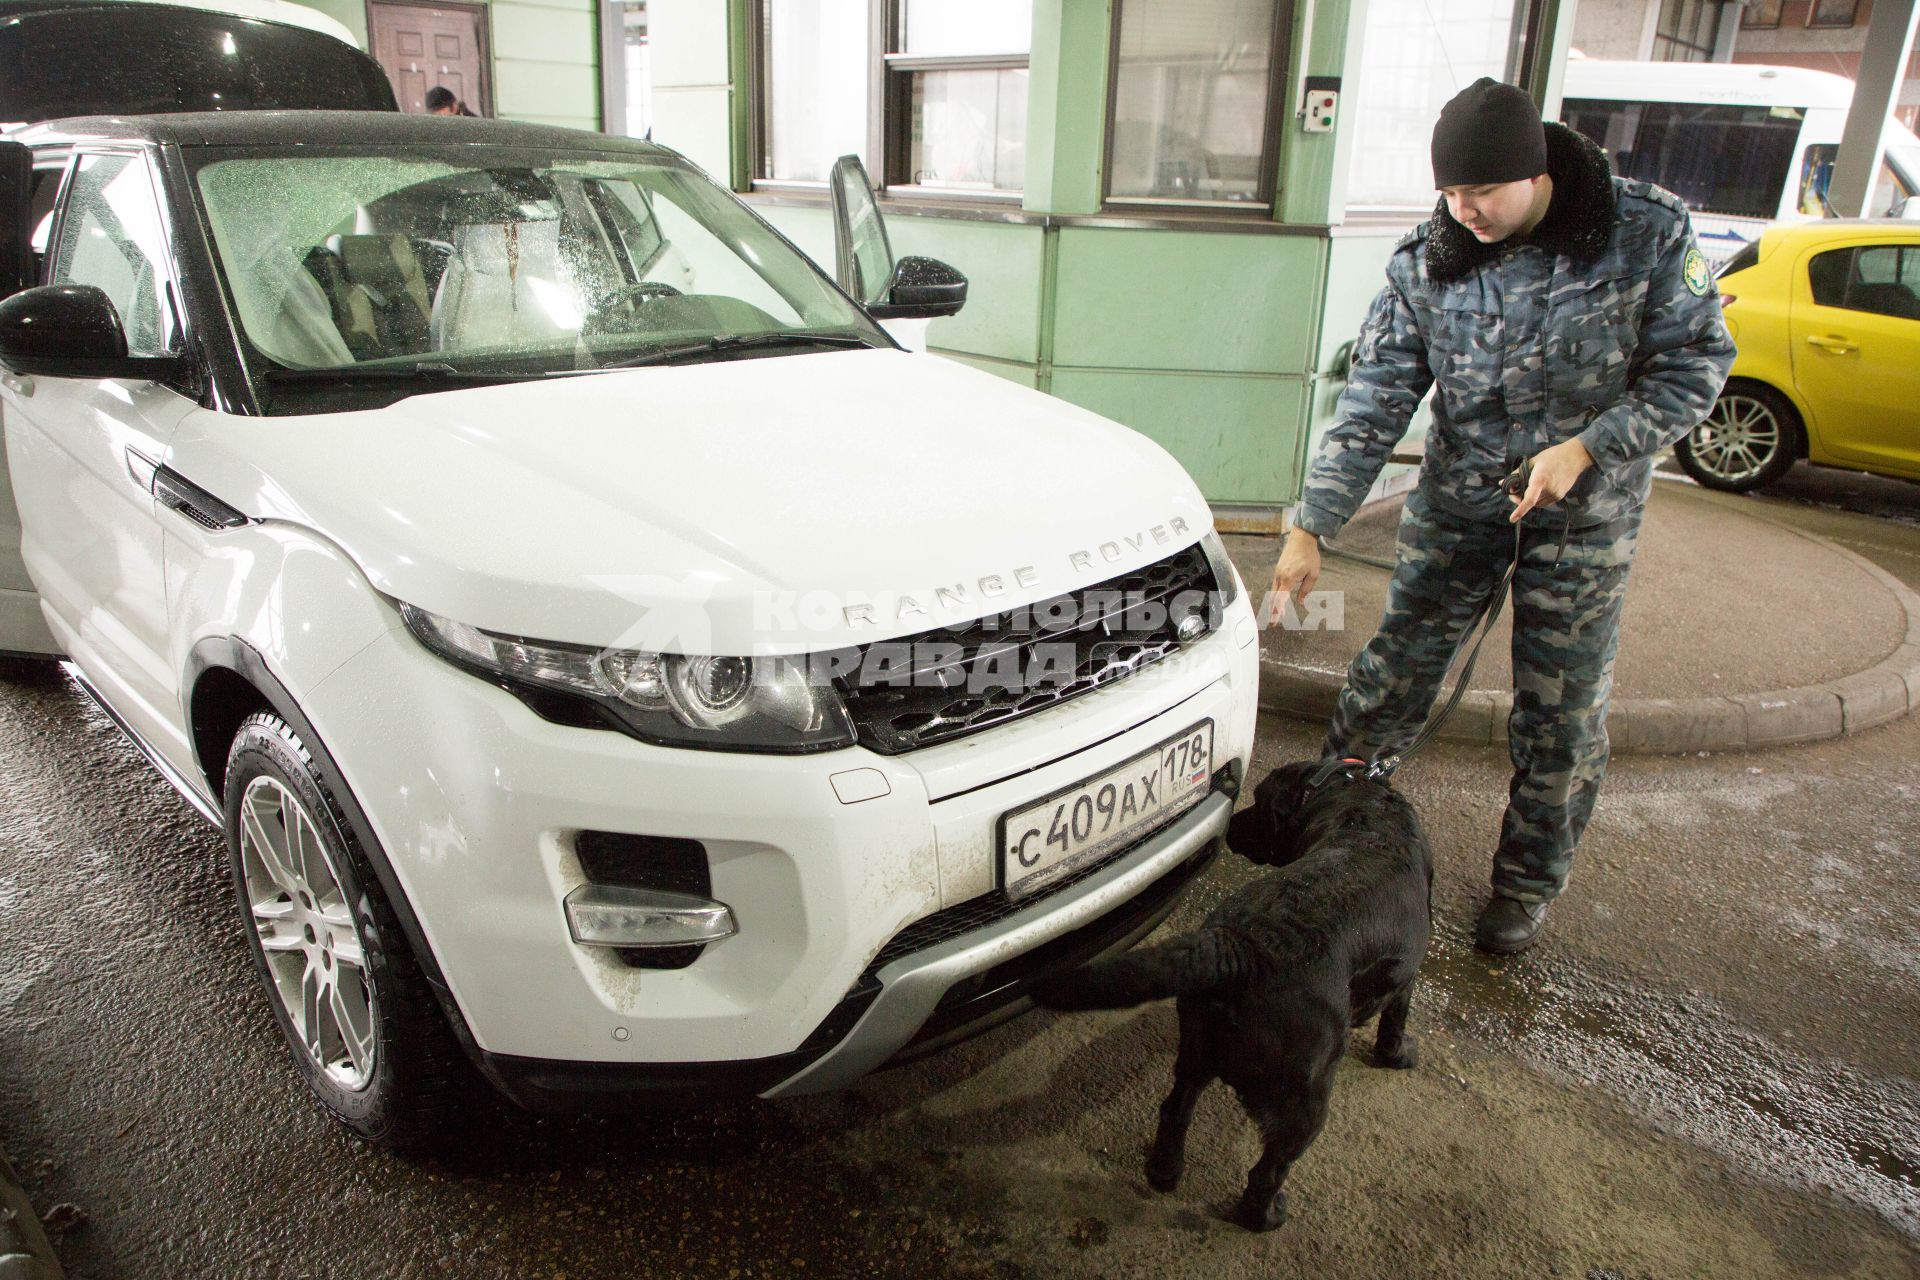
{"x": 325, "y": 128}
{"x": 15, "y": 8}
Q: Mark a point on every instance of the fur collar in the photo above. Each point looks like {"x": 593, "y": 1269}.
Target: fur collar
{"x": 1579, "y": 222}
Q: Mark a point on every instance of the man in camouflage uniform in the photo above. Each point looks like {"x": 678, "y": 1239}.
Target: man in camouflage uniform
{"x": 1566, "y": 319}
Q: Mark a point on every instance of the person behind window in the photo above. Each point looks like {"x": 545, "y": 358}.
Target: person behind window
{"x": 441, "y": 102}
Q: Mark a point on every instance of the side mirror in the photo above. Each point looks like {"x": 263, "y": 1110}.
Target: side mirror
{"x": 921, "y": 289}
{"x": 73, "y": 331}
{"x": 862, "y": 256}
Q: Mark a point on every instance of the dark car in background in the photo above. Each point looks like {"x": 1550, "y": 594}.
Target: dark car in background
{"x": 84, "y": 59}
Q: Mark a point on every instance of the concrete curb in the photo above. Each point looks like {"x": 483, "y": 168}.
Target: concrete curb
{"x": 1672, "y": 726}
{"x": 25, "y": 1252}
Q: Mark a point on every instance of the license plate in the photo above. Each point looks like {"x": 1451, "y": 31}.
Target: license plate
{"x": 1070, "y": 828}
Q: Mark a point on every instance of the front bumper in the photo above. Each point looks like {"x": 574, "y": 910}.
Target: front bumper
{"x": 918, "y": 1003}
{"x": 476, "y": 802}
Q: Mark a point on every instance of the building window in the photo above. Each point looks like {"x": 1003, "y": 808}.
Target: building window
{"x": 930, "y": 94}
{"x": 633, "y": 44}
{"x": 1686, "y": 31}
{"x": 956, "y": 95}
{"x": 1194, "y": 116}
{"x": 1419, "y": 53}
{"x": 814, "y": 65}
{"x": 1761, "y": 14}
{"x": 1832, "y": 13}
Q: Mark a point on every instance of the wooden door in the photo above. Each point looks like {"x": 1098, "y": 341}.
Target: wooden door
{"x": 422, "y": 46}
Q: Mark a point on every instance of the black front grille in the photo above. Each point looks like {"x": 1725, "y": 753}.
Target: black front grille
{"x": 953, "y": 681}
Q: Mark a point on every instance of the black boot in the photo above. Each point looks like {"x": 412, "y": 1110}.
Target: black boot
{"x": 1508, "y": 925}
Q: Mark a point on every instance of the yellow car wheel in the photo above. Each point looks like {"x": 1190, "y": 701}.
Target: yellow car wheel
{"x": 1749, "y": 439}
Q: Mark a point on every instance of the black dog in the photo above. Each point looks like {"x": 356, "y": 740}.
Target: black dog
{"x": 1271, "y": 983}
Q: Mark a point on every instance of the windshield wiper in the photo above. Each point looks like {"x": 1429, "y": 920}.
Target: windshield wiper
{"x": 430, "y": 371}
{"x": 728, "y": 342}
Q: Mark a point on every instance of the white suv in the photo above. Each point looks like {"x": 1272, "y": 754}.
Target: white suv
{"x": 613, "y": 661}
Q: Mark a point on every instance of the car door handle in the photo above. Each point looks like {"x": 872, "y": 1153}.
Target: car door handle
{"x": 1834, "y": 345}
{"x": 18, "y": 383}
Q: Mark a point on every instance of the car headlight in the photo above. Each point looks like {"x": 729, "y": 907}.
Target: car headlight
{"x": 720, "y": 703}
{"x": 1224, "y": 576}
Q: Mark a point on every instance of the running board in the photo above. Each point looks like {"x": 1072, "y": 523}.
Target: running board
{"x": 201, "y": 805}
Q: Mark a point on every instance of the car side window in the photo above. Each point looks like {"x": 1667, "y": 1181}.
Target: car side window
{"x": 632, "y": 217}
{"x": 40, "y": 208}
{"x": 1880, "y": 279}
{"x": 112, "y": 238}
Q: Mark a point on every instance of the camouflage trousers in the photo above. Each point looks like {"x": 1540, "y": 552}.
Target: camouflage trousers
{"x": 1565, "y": 604}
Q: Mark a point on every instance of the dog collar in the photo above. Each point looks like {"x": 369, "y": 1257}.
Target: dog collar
{"x": 1352, "y": 768}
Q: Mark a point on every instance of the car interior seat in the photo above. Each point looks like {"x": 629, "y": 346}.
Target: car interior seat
{"x": 379, "y": 293}
{"x": 506, "y": 285}
{"x": 1884, "y": 299}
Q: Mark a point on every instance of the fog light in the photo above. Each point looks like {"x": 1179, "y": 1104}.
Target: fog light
{"x": 608, "y": 916}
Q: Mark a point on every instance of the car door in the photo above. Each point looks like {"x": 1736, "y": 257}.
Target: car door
{"x": 22, "y": 628}
{"x": 81, "y": 451}
{"x": 1854, "y": 329}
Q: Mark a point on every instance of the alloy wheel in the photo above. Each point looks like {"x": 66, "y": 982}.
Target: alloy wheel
{"x": 1738, "y": 440}
{"x": 306, "y": 931}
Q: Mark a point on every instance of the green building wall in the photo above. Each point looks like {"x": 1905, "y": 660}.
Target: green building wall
{"x": 1204, "y": 332}
{"x": 1221, "y": 336}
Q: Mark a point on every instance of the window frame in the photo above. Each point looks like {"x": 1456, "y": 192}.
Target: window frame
{"x": 616, "y": 90}
{"x": 1266, "y": 197}
{"x": 63, "y": 160}
{"x": 892, "y": 82}
{"x": 169, "y": 265}
{"x": 1813, "y": 16}
{"x": 889, "y": 112}
{"x": 1902, "y": 252}
{"x": 1711, "y": 10}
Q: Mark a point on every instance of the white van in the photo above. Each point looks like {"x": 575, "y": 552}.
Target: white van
{"x": 1743, "y": 144}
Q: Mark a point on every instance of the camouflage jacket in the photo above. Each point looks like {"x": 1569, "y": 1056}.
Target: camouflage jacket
{"x": 1603, "y": 324}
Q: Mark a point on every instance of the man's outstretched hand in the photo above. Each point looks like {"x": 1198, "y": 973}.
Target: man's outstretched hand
{"x": 1554, "y": 472}
{"x": 1295, "y": 573}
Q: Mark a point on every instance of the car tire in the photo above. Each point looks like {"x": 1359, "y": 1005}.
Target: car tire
{"x": 345, "y": 987}
{"x": 1749, "y": 439}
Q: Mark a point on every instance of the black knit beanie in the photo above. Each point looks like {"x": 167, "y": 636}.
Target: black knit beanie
{"x": 1489, "y": 132}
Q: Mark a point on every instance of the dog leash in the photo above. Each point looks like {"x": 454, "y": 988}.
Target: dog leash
{"x": 1383, "y": 767}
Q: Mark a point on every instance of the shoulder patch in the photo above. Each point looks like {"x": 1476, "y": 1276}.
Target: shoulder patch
{"x": 1652, "y": 194}
{"x": 1699, "y": 278}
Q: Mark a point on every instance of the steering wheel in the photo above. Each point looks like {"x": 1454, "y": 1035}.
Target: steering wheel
{"x": 621, "y": 309}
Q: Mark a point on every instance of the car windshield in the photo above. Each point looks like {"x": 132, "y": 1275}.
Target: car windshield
{"x": 484, "y": 261}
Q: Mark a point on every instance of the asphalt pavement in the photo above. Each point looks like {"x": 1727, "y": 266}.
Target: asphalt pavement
{"x": 1708, "y": 1068}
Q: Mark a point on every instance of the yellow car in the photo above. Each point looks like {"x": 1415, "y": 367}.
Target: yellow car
{"x": 1827, "y": 319}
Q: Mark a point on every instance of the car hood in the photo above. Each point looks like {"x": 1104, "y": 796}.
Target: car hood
{"x": 774, "y": 505}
